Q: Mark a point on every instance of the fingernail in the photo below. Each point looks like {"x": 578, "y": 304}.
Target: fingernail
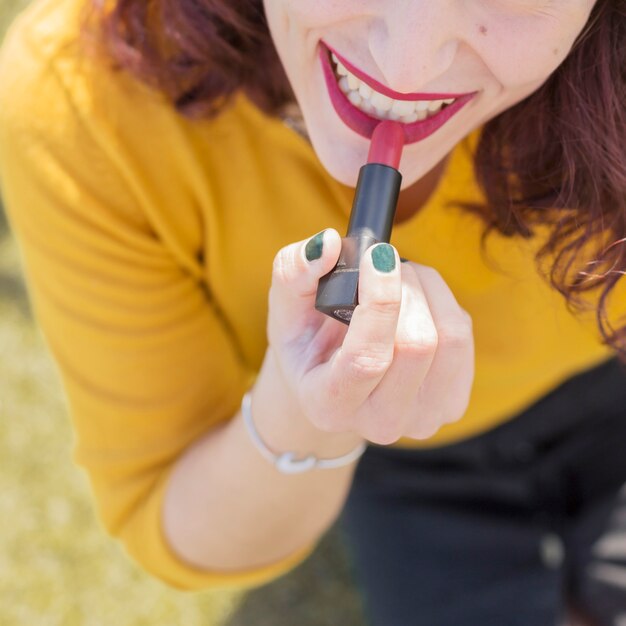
{"x": 313, "y": 249}
{"x": 383, "y": 258}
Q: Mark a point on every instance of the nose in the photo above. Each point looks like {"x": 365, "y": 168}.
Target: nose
{"x": 413, "y": 42}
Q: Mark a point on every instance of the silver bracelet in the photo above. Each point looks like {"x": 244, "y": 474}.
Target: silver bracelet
{"x": 285, "y": 462}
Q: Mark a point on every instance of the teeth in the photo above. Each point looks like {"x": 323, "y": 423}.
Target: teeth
{"x": 341, "y": 70}
{"x": 381, "y": 102}
{"x": 355, "y": 98}
{"x": 409, "y": 119}
{"x": 403, "y": 107}
{"x": 362, "y": 96}
{"x": 367, "y": 106}
{"x": 354, "y": 82}
{"x": 365, "y": 91}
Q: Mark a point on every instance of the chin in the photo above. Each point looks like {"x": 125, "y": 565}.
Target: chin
{"x": 342, "y": 162}
{"x": 340, "y": 150}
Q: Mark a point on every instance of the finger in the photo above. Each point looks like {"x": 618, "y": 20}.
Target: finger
{"x": 296, "y": 272}
{"x": 445, "y": 392}
{"x": 414, "y": 351}
{"x": 367, "y": 350}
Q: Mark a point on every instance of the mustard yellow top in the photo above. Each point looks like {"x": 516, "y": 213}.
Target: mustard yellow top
{"x": 148, "y": 240}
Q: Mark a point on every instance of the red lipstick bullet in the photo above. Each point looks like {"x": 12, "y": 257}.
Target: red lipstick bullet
{"x": 371, "y": 219}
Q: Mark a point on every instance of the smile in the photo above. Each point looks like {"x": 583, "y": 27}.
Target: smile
{"x": 361, "y": 101}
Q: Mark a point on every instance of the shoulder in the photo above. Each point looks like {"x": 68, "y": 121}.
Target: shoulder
{"x": 66, "y": 114}
{"x": 50, "y": 81}
{"x": 52, "y": 87}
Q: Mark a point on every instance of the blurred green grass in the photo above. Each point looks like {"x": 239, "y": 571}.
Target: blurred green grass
{"x": 8, "y": 9}
{"x": 57, "y": 565}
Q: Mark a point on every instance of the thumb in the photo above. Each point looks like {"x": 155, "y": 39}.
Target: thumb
{"x": 296, "y": 272}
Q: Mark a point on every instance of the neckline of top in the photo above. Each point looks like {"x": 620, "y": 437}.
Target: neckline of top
{"x": 290, "y": 127}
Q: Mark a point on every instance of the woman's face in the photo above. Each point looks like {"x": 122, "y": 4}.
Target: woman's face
{"x": 441, "y": 67}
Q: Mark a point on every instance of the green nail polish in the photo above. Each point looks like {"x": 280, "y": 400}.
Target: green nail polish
{"x": 383, "y": 258}
{"x": 313, "y": 249}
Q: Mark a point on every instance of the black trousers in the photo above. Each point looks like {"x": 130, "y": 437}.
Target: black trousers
{"x": 514, "y": 527}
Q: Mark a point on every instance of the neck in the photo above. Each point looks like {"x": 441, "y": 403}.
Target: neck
{"x": 414, "y": 198}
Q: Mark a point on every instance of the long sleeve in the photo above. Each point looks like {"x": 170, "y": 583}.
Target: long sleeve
{"x": 146, "y": 362}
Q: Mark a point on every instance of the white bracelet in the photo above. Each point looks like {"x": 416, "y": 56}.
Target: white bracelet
{"x": 286, "y": 462}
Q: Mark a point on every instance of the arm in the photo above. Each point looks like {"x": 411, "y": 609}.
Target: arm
{"x": 132, "y": 329}
{"x": 228, "y": 508}
{"x": 152, "y": 373}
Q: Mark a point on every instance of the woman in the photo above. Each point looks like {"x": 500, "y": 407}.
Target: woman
{"x": 157, "y": 200}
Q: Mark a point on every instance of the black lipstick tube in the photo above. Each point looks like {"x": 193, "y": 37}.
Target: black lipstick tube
{"x": 371, "y": 219}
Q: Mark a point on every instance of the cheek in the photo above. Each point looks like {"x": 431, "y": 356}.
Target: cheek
{"x": 297, "y": 25}
{"x": 320, "y": 13}
{"x": 526, "y": 53}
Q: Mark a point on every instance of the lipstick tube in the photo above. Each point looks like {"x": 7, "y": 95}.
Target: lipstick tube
{"x": 371, "y": 220}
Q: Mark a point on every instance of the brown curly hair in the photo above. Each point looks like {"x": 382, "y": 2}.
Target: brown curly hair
{"x": 555, "y": 160}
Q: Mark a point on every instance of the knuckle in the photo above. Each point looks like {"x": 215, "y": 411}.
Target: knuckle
{"x": 423, "y": 345}
{"x": 425, "y": 431}
{"x": 368, "y": 364}
{"x": 386, "y": 309}
{"x": 431, "y": 432}
{"x": 427, "y": 270}
{"x": 458, "y": 407}
{"x": 453, "y": 418}
{"x": 455, "y": 334}
{"x": 382, "y": 434}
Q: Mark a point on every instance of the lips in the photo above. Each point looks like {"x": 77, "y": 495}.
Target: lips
{"x": 364, "y": 124}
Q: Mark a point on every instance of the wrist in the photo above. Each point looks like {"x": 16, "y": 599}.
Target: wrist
{"x": 288, "y": 461}
{"x": 282, "y": 425}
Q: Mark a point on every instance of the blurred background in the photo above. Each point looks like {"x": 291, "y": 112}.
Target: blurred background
{"x": 57, "y": 565}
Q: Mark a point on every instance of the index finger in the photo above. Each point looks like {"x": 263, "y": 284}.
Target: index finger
{"x": 367, "y": 350}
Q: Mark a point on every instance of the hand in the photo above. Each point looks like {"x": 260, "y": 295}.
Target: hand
{"x": 404, "y": 366}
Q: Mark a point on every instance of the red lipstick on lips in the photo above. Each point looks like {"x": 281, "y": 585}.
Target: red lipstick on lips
{"x": 364, "y": 124}
{"x": 396, "y": 95}
{"x": 371, "y": 219}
